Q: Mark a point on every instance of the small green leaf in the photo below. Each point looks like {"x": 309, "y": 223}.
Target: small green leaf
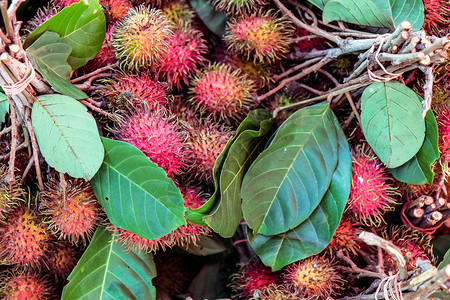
{"x": 214, "y": 20}
{"x": 206, "y": 246}
{"x": 136, "y": 194}
{"x": 286, "y": 182}
{"x": 210, "y": 282}
{"x": 391, "y": 117}
{"x": 316, "y": 232}
{"x": 81, "y": 25}
{"x": 319, "y": 3}
{"x": 67, "y": 135}
{"x": 49, "y": 56}
{"x": 107, "y": 271}
{"x": 4, "y": 107}
{"x": 376, "y": 13}
{"x": 417, "y": 170}
{"x": 225, "y": 217}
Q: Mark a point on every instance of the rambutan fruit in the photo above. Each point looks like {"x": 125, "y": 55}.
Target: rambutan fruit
{"x": 141, "y": 39}
{"x": 179, "y": 12}
{"x": 144, "y": 87}
{"x": 275, "y": 292}
{"x": 62, "y": 258}
{"x": 24, "y": 238}
{"x": 345, "y": 238}
{"x": 116, "y": 9}
{"x": 64, "y": 3}
{"x": 173, "y": 273}
{"x": 158, "y": 136}
{"x": 71, "y": 208}
{"x": 442, "y": 114}
{"x": 186, "y": 52}
{"x": 237, "y": 7}
{"x": 371, "y": 192}
{"x": 437, "y": 17}
{"x": 314, "y": 277}
{"x": 20, "y": 285}
{"x": 251, "y": 279}
{"x": 262, "y": 36}
{"x": 10, "y": 195}
{"x": 304, "y": 43}
{"x": 223, "y": 93}
{"x": 205, "y": 141}
{"x": 413, "y": 244}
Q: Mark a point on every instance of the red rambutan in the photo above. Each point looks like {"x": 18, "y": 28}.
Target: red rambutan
{"x": 62, "y": 259}
{"x": 345, "y": 238}
{"x": 251, "y": 279}
{"x": 306, "y": 44}
{"x": 261, "y": 36}
{"x": 20, "y": 285}
{"x": 371, "y": 194}
{"x": 71, "y": 208}
{"x": 204, "y": 142}
{"x": 437, "y": 17}
{"x": 24, "y": 238}
{"x": 143, "y": 87}
{"x": 221, "y": 92}
{"x": 157, "y": 135}
{"x": 186, "y": 52}
{"x": 443, "y": 121}
{"x": 116, "y": 8}
{"x": 141, "y": 39}
{"x": 314, "y": 277}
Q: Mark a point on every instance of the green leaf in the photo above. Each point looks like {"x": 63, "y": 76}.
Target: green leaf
{"x": 444, "y": 263}
{"x": 315, "y": 233}
{"x": 81, "y": 25}
{"x": 49, "y": 56}
{"x": 196, "y": 215}
{"x": 214, "y": 20}
{"x": 225, "y": 217}
{"x": 4, "y": 107}
{"x": 67, "y": 135}
{"x": 107, "y": 271}
{"x": 136, "y": 194}
{"x": 287, "y": 180}
{"x": 377, "y": 13}
{"x": 206, "y": 246}
{"x": 319, "y": 3}
{"x": 441, "y": 250}
{"x": 417, "y": 170}
{"x": 210, "y": 282}
{"x": 391, "y": 117}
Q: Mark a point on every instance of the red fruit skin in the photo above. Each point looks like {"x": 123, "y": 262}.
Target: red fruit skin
{"x": 443, "y": 121}
{"x": 20, "y": 285}
{"x": 437, "y": 17}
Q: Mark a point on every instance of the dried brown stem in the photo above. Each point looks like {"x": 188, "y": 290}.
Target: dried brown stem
{"x": 35, "y": 146}
{"x": 352, "y": 104}
{"x": 427, "y": 89}
{"x": 6, "y": 19}
{"x": 296, "y": 68}
{"x": 100, "y": 70}
{"x": 356, "y": 269}
{"x": 14, "y": 138}
{"x": 95, "y": 108}
{"x": 432, "y": 285}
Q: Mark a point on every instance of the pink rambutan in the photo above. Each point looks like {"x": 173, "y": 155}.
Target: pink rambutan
{"x": 141, "y": 39}
{"x": 205, "y": 141}
{"x": 20, "y": 285}
{"x": 24, "y": 239}
{"x": 64, "y": 3}
{"x": 437, "y": 17}
{"x": 251, "y": 279}
{"x": 304, "y": 43}
{"x": 62, "y": 258}
{"x": 223, "y": 93}
{"x": 261, "y": 36}
{"x": 345, "y": 238}
{"x": 186, "y": 52}
{"x": 157, "y": 135}
{"x": 143, "y": 87}
{"x": 371, "y": 193}
{"x": 442, "y": 113}
{"x": 314, "y": 277}
{"x": 71, "y": 208}
{"x": 116, "y": 9}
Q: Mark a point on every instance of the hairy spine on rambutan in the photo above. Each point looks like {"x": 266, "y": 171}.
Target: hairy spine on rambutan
{"x": 205, "y": 141}
{"x": 185, "y": 54}
{"x": 238, "y": 7}
{"x": 437, "y": 17}
{"x": 141, "y": 38}
{"x": 71, "y": 208}
{"x": 251, "y": 279}
{"x": 24, "y": 239}
{"x": 157, "y": 135}
{"x": 61, "y": 260}
{"x": 371, "y": 192}
{"x": 178, "y": 12}
{"x": 10, "y": 194}
{"x": 223, "y": 93}
{"x": 443, "y": 121}
{"x": 24, "y": 285}
{"x": 345, "y": 238}
{"x": 262, "y": 36}
{"x": 314, "y": 277}
{"x": 116, "y": 9}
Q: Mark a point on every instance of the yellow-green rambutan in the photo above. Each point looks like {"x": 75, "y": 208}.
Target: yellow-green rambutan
{"x": 314, "y": 277}
{"x": 141, "y": 38}
{"x": 223, "y": 93}
{"x": 71, "y": 208}
{"x": 179, "y": 12}
{"x": 237, "y": 7}
{"x": 261, "y": 36}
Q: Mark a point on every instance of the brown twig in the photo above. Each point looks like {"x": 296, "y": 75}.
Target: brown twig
{"x": 6, "y": 19}
{"x": 35, "y": 146}
{"x": 100, "y": 70}
{"x": 356, "y": 269}
{"x": 14, "y": 138}
{"x": 296, "y": 68}
{"x": 95, "y": 108}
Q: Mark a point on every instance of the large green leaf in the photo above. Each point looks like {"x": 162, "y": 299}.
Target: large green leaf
{"x": 67, "y": 135}
{"x": 319, "y": 3}
{"x": 81, "y": 25}
{"x": 214, "y": 20}
{"x": 4, "y": 107}
{"x": 391, "y": 117}
{"x": 225, "y": 217}
{"x": 108, "y": 271}
{"x": 417, "y": 170}
{"x": 49, "y": 56}
{"x": 136, "y": 194}
{"x": 288, "y": 179}
{"x": 315, "y": 233}
{"x": 249, "y": 123}
{"x": 377, "y": 13}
